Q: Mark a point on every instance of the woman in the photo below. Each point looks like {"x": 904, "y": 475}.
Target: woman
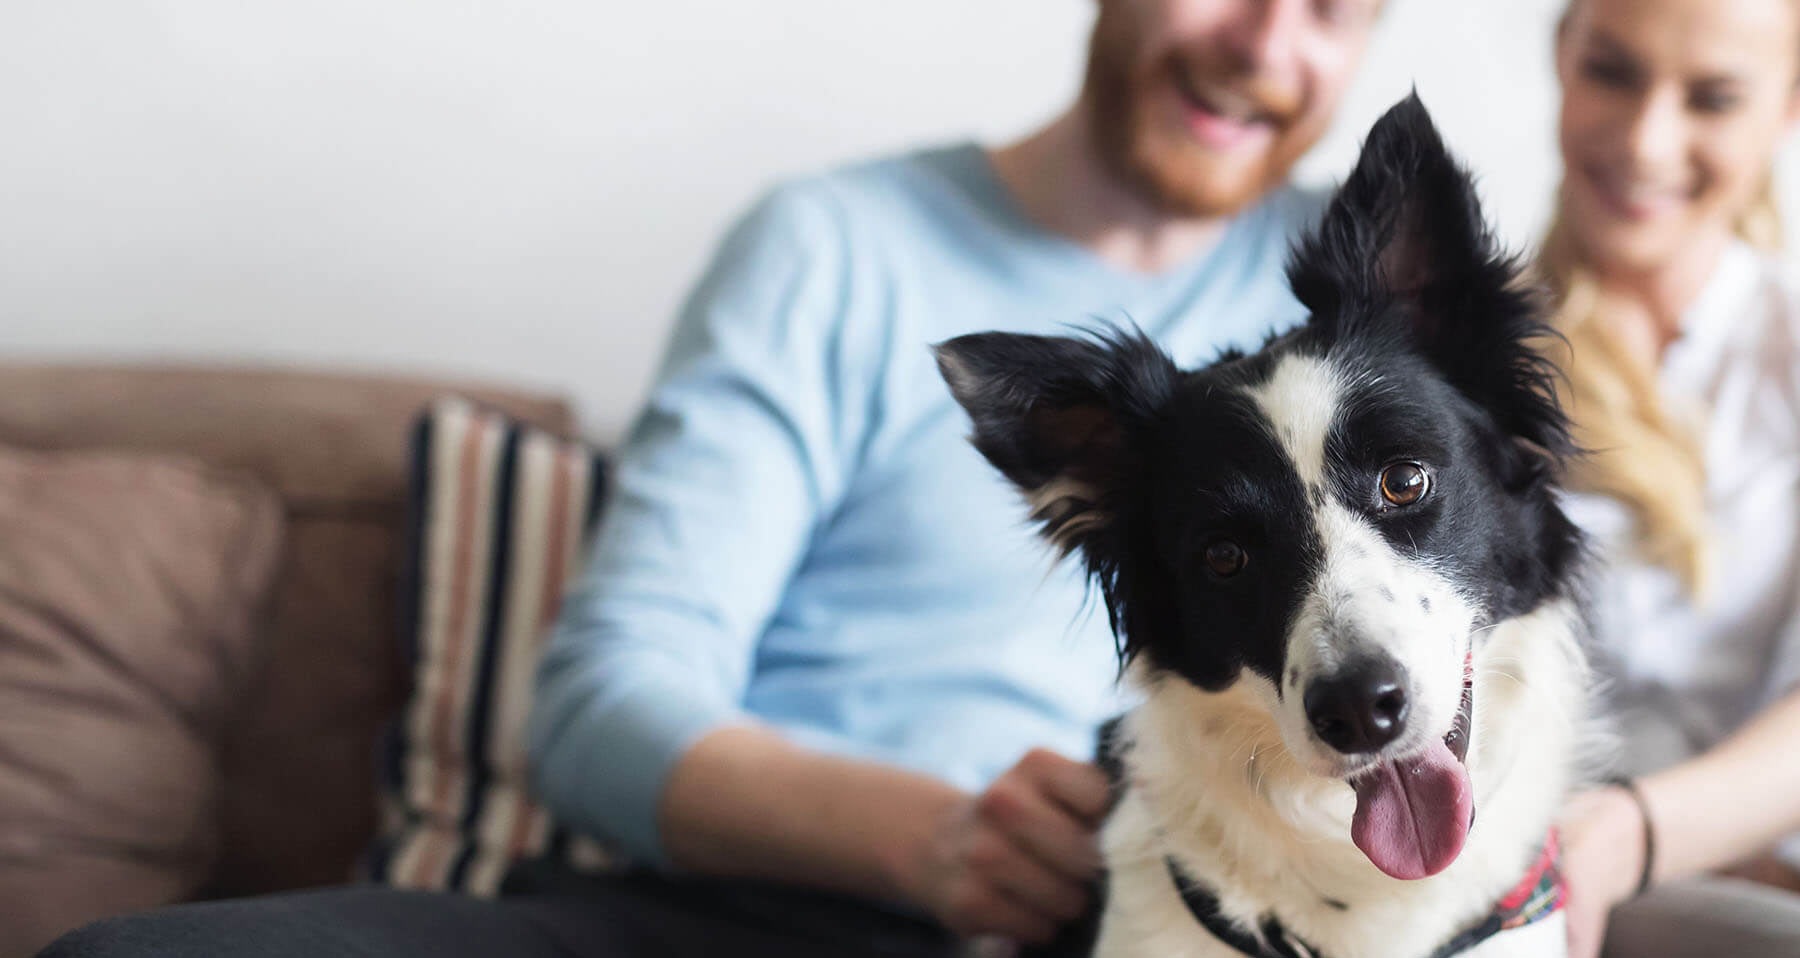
{"x": 1684, "y": 379}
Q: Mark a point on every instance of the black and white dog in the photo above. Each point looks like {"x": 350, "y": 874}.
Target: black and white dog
{"x": 1340, "y": 580}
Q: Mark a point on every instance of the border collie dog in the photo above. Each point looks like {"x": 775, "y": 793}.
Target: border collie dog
{"x": 1340, "y": 581}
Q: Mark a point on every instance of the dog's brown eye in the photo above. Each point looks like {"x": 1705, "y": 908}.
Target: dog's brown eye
{"x": 1404, "y": 483}
{"x": 1225, "y": 558}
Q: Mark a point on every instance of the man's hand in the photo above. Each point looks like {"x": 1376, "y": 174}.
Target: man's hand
{"x": 1603, "y": 849}
{"x": 1015, "y": 860}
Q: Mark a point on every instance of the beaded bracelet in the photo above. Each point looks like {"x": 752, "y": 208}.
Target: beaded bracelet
{"x": 1630, "y": 786}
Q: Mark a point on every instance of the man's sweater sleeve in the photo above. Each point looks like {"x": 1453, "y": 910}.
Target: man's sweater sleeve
{"x": 720, "y": 486}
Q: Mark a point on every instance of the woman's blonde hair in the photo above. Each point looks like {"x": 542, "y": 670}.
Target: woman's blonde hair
{"x": 1639, "y": 451}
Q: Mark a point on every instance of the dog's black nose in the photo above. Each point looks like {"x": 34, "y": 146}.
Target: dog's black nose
{"x": 1359, "y": 708}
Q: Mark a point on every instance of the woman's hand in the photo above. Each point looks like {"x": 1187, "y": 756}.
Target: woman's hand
{"x": 1015, "y": 860}
{"x": 1603, "y": 857}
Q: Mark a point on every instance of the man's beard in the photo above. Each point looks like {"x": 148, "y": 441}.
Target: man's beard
{"x": 1161, "y": 165}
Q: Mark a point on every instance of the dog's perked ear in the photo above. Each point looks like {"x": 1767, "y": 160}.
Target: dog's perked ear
{"x": 1404, "y": 253}
{"x": 1058, "y": 416}
{"x": 1403, "y": 229}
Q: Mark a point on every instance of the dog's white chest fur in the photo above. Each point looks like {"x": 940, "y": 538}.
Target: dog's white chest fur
{"x": 1211, "y": 787}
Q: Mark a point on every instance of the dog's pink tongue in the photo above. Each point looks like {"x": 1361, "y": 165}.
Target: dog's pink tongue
{"x": 1412, "y": 817}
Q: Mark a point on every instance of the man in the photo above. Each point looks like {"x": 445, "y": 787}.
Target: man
{"x": 816, "y": 646}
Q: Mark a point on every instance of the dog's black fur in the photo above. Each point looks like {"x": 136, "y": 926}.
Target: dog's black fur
{"x": 1141, "y": 467}
{"x": 1403, "y": 282}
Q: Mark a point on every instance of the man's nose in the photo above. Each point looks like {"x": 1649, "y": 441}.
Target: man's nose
{"x": 1267, "y": 33}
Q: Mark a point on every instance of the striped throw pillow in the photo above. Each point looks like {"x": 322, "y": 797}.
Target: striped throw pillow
{"x": 500, "y": 518}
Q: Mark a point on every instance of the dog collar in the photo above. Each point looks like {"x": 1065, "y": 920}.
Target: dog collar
{"x": 1537, "y": 896}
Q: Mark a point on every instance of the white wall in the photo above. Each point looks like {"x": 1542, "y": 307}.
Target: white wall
{"x": 523, "y": 191}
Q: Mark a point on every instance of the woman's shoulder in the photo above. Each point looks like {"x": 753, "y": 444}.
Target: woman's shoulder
{"x": 1767, "y": 350}
{"x": 1764, "y": 297}
{"x": 1780, "y": 273}
{"x": 1775, "y": 274}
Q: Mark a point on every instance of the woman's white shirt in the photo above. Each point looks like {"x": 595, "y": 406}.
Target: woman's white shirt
{"x": 1681, "y": 673}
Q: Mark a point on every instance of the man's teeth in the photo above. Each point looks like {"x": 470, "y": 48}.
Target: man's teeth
{"x": 1221, "y": 103}
{"x": 1228, "y": 107}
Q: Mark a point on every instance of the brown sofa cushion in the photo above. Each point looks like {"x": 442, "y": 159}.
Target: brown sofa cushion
{"x": 299, "y": 760}
{"x": 129, "y": 591}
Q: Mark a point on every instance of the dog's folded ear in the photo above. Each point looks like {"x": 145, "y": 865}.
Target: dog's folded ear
{"x": 1059, "y": 415}
{"x": 1403, "y": 255}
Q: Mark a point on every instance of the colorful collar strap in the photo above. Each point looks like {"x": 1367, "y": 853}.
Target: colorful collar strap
{"x": 1537, "y": 896}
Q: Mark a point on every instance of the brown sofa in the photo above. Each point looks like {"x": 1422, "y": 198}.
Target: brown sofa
{"x": 298, "y": 803}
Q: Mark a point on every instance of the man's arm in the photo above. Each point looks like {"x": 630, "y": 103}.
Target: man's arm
{"x": 717, "y": 491}
{"x": 1011, "y": 861}
{"x": 638, "y": 733}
